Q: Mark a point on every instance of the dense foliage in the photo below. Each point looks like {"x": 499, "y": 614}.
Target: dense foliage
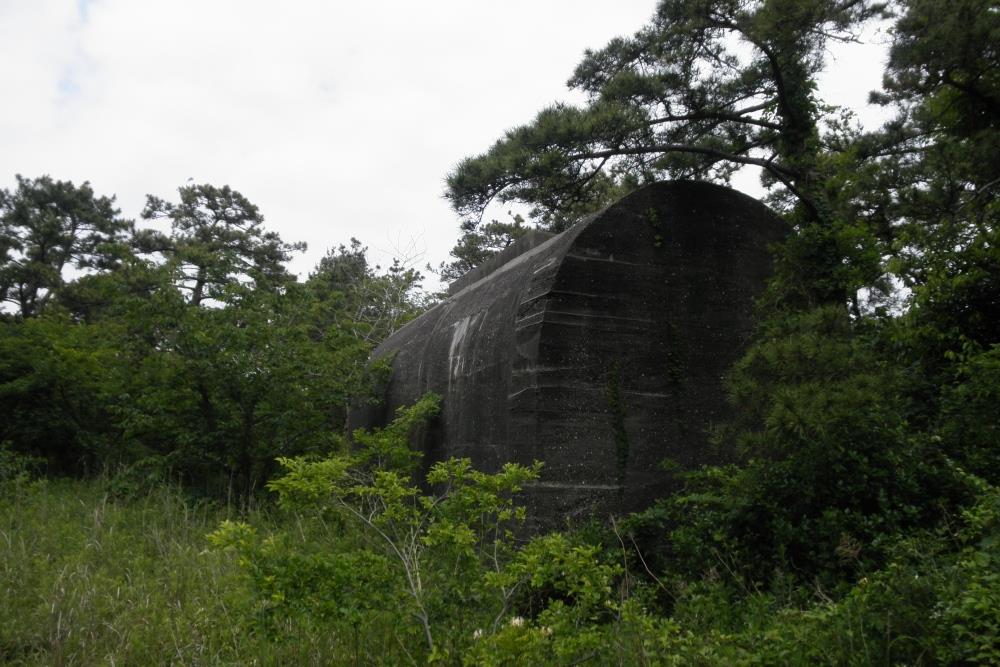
{"x": 858, "y": 521}
{"x": 189, "y": 355}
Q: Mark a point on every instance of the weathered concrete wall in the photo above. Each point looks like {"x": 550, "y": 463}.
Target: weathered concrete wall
{"x": 600, "y": 351}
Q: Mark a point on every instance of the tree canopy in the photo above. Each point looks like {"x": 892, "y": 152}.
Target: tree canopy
{"x": 376, "y": 302}
{"x": 124, "y": 363}
{"x": 217, "y": 238}
{"x": 47, "y": 226}
{"x": 706, "y": 88}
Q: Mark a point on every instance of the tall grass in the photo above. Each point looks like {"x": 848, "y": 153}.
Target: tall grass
{"x": 89, "y": 580}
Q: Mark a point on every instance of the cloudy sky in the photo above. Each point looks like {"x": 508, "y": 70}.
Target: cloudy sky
{"x": 336, "y": 118}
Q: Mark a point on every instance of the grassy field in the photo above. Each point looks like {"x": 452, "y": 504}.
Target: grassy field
{"x": 88, "y": 580}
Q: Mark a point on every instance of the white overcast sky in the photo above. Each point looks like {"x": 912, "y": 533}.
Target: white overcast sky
{"x": 336, "y": 118}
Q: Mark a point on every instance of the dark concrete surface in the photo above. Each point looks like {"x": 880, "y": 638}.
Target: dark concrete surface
{"x": 600, "y": 351}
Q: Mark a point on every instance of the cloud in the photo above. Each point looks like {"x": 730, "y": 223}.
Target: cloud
{"x": 337, "y": 119}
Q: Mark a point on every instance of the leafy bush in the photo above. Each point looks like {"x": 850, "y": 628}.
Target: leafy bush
{"x": 428, "y": 551}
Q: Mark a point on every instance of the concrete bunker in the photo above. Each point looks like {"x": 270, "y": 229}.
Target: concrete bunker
{"x": 600, "y": 351}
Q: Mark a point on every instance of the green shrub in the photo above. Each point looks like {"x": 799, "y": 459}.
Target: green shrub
{"x": 428, "y": 553}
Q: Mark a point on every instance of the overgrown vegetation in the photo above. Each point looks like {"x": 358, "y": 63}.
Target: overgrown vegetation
{"x": 197, "y": 393}
{"x": 194, "y": 353}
